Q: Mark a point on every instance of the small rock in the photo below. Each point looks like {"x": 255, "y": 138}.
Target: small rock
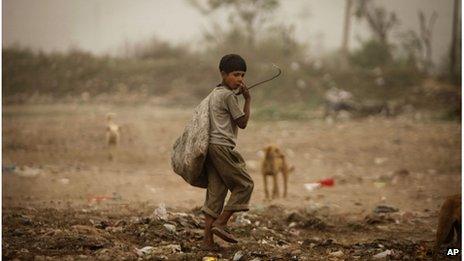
{"x": 338, "y": 253}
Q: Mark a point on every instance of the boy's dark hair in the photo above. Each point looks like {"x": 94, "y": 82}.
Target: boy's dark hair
{"x": 232, "y": 62}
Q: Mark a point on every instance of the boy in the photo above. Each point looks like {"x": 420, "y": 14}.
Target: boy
{"x": 224, "y": 166}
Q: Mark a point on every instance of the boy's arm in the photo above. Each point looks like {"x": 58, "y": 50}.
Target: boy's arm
{"x": 242, "y": 121}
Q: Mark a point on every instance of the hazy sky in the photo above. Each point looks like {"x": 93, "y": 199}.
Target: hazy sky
{"x": 103, "y": 26}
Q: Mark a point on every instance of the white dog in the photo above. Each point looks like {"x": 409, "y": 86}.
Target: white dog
{"x": 112, "y": 135}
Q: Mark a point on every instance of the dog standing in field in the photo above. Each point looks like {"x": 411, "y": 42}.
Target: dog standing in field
{"x": 449, "y": 223}
{"x": 112, "y": 136}
{"x": 274, "y": 162}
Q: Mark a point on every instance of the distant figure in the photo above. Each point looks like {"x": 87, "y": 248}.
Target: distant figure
{"x": 274, "y": 163}
{"x": 337, "y": 100}
{"x": 112, "y": 136}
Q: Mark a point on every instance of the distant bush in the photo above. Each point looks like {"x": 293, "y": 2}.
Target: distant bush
{"x": 372, "y": 54}
{"x": 158, "y": 69}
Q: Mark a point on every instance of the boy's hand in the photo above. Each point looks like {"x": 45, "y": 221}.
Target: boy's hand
{"x": 244, "y": 91}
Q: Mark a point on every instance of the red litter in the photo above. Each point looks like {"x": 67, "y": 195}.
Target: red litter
{"x": 327, "y": 182}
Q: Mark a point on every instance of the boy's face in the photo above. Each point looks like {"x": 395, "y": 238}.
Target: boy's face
{"x": 233, "y": 79}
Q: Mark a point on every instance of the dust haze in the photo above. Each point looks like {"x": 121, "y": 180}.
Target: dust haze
{"x": 379, "y": 117}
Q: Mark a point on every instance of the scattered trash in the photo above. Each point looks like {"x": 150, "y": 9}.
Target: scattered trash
{"x": 311, "y": 186}
{"x": 327, "y": 182}
{"x": 92, "y": 199}
{"x": 241, "y": 220}
{"x": 238, "y": 256}
{"x": 383, "y": 254}
{"x": 385, "y": 209}
{"x": 144, "y": 251}
{"x": 27, "y": 172}
{"x": 209, "y": 258}
{"x": 160, "y": 213}
{"x": 174, "y": 248}
{"x": 170, "y": 228}
{"x": 338, "y": 253}
{"x": 150, "y": 250}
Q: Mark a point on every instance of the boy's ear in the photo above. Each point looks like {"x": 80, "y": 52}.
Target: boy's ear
{"x": 223, "y": 74}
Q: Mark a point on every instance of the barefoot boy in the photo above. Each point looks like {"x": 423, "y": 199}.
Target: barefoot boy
{"x": 225, "y": 167}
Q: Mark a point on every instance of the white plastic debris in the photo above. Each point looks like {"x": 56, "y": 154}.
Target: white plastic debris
{"x": 144, "y": 250}
{"x": 170, "y": 228}
{"x": 383, "y": 254}
{"x": 241, "y": 220}
{"x": 238, "y": 256}
{"x": 338, "y": 253}
{"x": 27, "y": 172}
{"x": 150, "y": 250}
{"x": 312, "y": 186}
{"x": 160, "y": 212}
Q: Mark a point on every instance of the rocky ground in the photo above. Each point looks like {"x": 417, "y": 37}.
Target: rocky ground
{"x": 63, "y": 199}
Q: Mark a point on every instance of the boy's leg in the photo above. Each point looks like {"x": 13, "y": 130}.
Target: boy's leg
{"x": 232, "y": 169}
{"x": 214, "y": 202}
{"x": 239, "y": 183}
{"x": 208, "y": 237}
{"x": 222, "y": 220}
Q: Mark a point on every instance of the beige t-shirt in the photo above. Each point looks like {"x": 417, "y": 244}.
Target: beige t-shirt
{"x": 224, "y": 109}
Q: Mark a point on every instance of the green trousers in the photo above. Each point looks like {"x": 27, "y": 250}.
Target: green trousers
{"x": 226, "y": 171}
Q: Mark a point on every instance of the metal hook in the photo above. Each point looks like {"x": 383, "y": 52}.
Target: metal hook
{"x": 279, "y": 71}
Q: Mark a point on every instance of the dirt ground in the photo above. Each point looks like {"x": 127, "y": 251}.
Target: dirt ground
{"x": 64, "y": 199}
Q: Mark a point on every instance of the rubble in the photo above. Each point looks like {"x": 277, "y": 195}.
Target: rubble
{"x": 269, "y": 232}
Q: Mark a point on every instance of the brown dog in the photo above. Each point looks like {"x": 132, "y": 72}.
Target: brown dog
{"x": 274, "y": 162}
{"x": 449, "y": 223}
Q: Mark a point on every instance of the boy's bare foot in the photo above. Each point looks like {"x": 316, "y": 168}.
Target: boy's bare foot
{"x": 223, "y": 233}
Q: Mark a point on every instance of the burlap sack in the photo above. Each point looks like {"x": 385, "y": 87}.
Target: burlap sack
{"x": 190, "y": 149}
